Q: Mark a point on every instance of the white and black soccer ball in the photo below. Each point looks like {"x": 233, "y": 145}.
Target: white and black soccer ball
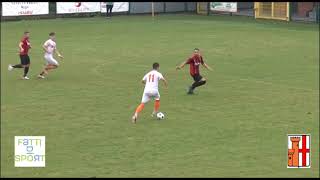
{"x": 160, "y": 116}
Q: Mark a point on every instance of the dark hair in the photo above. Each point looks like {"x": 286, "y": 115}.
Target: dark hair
{"x": 52, "y": 34}
{"x": 155, "y": 65}
{"x": 196, "y": 49}
{"x": 26, "y": 32}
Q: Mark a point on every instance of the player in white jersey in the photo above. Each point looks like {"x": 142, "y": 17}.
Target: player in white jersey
{"x": 151, "y": 90}
{"x": 50, "y": 47}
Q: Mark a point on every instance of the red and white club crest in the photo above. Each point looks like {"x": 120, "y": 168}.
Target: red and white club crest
{"x": 299, "y": 151}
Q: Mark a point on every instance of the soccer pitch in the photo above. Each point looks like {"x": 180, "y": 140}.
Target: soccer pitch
{"x": 264, "y": 85}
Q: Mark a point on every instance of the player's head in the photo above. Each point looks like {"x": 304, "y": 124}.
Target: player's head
{"x": 196, "y": 51}
{"x": 155, "y": 66}
{"x": 52, "y": 35}
{"x": 26, "y": 34}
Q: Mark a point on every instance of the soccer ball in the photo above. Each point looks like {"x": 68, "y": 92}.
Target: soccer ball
{"x": 160, "y": 116}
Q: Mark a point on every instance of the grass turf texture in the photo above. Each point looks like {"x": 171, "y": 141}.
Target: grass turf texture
{"x": 264, "y": 85}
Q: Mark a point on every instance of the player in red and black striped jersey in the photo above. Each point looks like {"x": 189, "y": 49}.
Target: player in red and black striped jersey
{"x": 24, "y": 47}
{"x": 194, "y": 61}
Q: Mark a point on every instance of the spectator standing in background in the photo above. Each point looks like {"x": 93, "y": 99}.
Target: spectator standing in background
{"x": 109, "y": 9}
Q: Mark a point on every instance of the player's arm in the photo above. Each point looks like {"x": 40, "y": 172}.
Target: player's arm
{"x": 207, "y": 66}
{"x": 188, "y": 61}
{"x": 45, "y": 47}
{"x": 165, "y": 82}
{"x": 58, "y": 53}
{"x": 181, "y": 65}
{"x": 20, "y": 46}
{"x": 144, "y": 79}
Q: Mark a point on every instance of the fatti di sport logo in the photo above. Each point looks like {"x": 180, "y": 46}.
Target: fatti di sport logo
{"x": 29, "y": 151}
{"x": 299, "y": 151}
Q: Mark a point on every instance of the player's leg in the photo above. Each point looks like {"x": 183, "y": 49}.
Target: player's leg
{"x": 108, "y": 11}
{"x": 46, "y": 69}
{"x": 192, "y": 87}
{"x": 136, "y": 113}
{"x": 26, "y": 65}
{"x": 198, "y": 81}
{"x": 156, "y": 104}
{"x": 43, "y": 72}
{"x": 202, "y": 82}
{"x": 25, "y": 62}
{"x": 145, "y": 99}
{"x": 51, "y": 64}
{"x": 11, "y": 67}
{"x": 17, "y": 66}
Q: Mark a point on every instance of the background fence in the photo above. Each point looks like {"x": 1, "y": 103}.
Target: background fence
{"x": 298, "y": 11}
{"x": 134, "y": 8}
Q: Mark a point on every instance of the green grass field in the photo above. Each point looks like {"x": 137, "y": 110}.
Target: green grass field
{"x": 265, "y": 85}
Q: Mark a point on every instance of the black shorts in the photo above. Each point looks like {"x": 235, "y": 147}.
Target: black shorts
{"x": 25, "y": 60}
{"x": 109, "y": 8}
{"x": 197, "y": 77}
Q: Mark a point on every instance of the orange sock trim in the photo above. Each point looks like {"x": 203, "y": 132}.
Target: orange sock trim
{"x": 156, "y": 105}
{"x": 140, "y": 108}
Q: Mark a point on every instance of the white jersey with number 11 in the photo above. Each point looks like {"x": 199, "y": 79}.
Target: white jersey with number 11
{"x": 152, "y": 80}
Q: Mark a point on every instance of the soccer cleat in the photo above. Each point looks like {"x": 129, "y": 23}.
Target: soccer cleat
{"x": 25, "y": 78}
{"x": 153, "y": 114}
{"x": 190, "y": 91}
{"x": 40, "y": 76}
{"x": 10, "y": 68}
{"x": 134, "y": 119}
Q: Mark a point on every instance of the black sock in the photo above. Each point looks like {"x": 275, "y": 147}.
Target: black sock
{"x": 17, "y": 66}
{"x": 202, "y": 83}
{"x": 26, "y": 70}
{"x": 197, "y": 84}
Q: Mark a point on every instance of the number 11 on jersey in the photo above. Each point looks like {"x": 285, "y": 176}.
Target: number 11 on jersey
{"x": 151, "y": 77}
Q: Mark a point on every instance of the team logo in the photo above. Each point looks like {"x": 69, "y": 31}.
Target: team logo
{"x": 299, "y": 151}
{"x": 29, "y": 151}
{"x": 197, "y": 63}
